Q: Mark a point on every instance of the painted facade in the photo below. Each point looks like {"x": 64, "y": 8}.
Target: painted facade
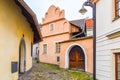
{"x": 108, "y": 40}
{"x": 66, "y": 46}
{"x": 58, "y": 36}
{"x": 16, "y": 36}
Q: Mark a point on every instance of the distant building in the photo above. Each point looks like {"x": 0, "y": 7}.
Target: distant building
{"x": 89, "y": 27}
{"x": 36, "y": 51}
{"x": 108, "y": 39}
{"x": 18, "y": 32}
{"x": 65, "y": 43}
{"x": 36, "y": 48}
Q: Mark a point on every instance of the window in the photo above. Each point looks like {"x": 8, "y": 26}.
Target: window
{"x": 57, "y": 47}
{"x": 58, "y": 59}
{"x": 117, "y": 66}
{"x": 44, "y": 48}
{"x": 117, "y": 8}
{"x": 51, "y": 27}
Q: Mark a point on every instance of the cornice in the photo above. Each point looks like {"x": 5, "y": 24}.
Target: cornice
{"x": 114, "y": 35}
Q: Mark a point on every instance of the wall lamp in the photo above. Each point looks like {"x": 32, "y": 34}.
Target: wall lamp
{"x": 83, "y": 11}
{"x": 87, "y": 3}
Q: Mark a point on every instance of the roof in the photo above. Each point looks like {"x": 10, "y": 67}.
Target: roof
{"x": 76, "y": 39}
{"x": 78, "y": 23}
{"x": 94, "y": 1}
{"x": 89, "y": 23}
{"x": 31, "y": 18}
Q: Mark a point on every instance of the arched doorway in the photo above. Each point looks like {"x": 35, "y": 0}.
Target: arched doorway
{"x": 81, "y": 51}
{"x": 22, "y": 56}
{"x": 76, "y": 59}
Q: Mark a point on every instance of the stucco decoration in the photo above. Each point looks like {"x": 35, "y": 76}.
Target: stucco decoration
{"x": 66, "y": 26}
{"x": 53, "y": 13}
{"x": 66, "y": 23}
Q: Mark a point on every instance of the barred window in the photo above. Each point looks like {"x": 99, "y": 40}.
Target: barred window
{"x": 58, "y": 59}
{"x": 44, "y": 48}
{"x": 57, "y": 47}
{"x": 117, "y": 8}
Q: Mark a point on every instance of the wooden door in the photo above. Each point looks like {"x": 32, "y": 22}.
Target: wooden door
{"x": 76, "y": 59}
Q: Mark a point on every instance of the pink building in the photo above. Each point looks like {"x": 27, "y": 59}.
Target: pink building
{"x": 66, "y": 43}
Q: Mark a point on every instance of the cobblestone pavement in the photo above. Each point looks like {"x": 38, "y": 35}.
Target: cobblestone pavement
{"x": 43, "y": 72}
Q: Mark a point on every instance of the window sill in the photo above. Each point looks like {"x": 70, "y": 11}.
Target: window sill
{"x": 117, "y": 17}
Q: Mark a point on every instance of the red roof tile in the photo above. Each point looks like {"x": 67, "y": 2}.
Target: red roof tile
{"x": 89, "y": 23}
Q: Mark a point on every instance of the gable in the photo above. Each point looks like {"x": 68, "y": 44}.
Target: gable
{"x": 53, "y": 13}
{"x": 78, "y": 23}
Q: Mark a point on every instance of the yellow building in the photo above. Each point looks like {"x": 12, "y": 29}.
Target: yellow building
{"x": 18, "y": 31}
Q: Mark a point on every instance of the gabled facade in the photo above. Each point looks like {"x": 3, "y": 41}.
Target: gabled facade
{"x": 65, "y": 43}
{"x": 18, "y": 31}
{"x": 108, "y": 39}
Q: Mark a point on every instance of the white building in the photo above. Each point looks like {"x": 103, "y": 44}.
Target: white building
{"x": 35, "y": 51}
{"x": 108, "y": 39}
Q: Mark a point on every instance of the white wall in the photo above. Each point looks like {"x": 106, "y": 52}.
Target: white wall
{"x": 89, "y": 32}
{"x": 35, "y": 50}
{"x": 104, "y": 46}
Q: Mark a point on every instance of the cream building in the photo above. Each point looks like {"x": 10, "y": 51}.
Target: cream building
{"x": 108, "y": 39}
{"x": 18, "y": 31}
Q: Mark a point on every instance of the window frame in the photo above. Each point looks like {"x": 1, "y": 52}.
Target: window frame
{"x": 57, "y": 47}
{"x": 117, "y": 8}
{"x": 116, "y": 65}
{"x": 58, "y": 59}
{"x": 45, "y": 49}
{"x": 51, "y": 27}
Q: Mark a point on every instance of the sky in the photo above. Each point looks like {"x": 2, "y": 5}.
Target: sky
{"x": 71, "y": 8}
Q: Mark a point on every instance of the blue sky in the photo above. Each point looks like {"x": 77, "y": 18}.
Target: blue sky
{"x": 71, "y": 8}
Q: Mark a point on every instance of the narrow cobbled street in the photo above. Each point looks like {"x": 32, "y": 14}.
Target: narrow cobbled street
{"x": 41, "y": 71}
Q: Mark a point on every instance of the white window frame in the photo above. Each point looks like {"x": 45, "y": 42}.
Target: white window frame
{"x": 46, "y": 48}
{"x": 52, "y": 27}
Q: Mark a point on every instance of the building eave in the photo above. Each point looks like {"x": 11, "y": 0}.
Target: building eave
{"x": 94, "y": 1}
{"x": 75, "y": 39}
{"x": 31, "y": 18}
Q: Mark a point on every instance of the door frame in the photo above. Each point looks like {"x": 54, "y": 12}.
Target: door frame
{"x": 19, "y": 60}
{"x": 67, "y": 55}
{"x": 116, "y": 64}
